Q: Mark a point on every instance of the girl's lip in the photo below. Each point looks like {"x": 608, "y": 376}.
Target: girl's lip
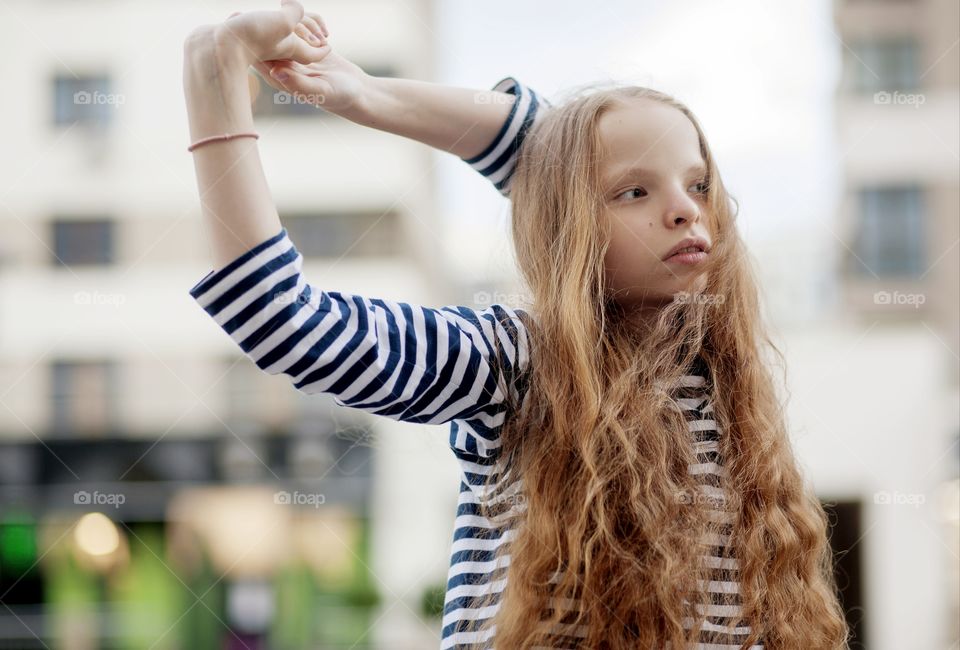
{"x": 687, "y": 258}
{"x": 689, "y": 242}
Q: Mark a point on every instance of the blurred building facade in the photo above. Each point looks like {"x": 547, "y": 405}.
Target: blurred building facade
{"x": 898, "y": 126}
{"x": 121, "y": 396}
{"x": 866, "y": 307}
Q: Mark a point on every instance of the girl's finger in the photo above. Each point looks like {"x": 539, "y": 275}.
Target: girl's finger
{"x": 277, "y": 69}
{"x": 280, "y": 72}
{"x": 296, "y": 83}
{"x": 303, "y": 31}
{"x": 268, "y": 68}
{"x": 314, "y": 28}
{"x": 269, "y": 64}
{"x": 264, "y": 67}
{"x": 319, "y": 19}
{"x": 305, "y": 53}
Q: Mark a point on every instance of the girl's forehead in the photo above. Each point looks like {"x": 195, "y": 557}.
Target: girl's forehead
{"x": 649, "y": 135}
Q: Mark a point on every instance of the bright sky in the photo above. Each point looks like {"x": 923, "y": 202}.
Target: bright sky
{"x": 760, "y": 76}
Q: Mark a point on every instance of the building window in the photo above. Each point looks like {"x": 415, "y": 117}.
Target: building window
{"x": 83, "y": 241}
{"x": 350, "y": 234}
{"x": 84, "y": 398}
{"x": 891, "y": 231}
{"x": 845, "y": 532}
{"x": 245, "y": 386}
{"x": 277, "y": 103}
{"x": 86, "y": 99}
{"x": 883, "y": 65}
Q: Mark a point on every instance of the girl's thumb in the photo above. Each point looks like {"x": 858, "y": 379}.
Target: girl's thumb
{"x": 293, "y": 8}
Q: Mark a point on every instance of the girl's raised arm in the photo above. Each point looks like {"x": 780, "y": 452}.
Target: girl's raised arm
{"x": 235, "y": 199}
{"x": 390, "y": 358}
{"x": 484, "y": 128}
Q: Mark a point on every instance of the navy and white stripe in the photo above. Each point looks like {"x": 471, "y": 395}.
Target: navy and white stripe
{"x": 406, "y": 362}
{"x": 496, "y": 163}
{"x": 435, "y": 365}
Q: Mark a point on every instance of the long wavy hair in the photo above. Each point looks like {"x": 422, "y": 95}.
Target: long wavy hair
{"x": 591, "y": 483}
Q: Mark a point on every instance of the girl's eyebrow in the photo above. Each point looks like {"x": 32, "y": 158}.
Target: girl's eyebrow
{"x": 636, "y": 170}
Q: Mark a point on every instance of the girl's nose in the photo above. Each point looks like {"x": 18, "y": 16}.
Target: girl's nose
{"x": 681, "y": 210}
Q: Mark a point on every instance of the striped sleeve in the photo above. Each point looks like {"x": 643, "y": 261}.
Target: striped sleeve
{"x": 497, "y": 162}
{"x": 402, "y": 361}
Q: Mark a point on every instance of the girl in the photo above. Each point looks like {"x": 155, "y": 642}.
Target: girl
{"x": 622, "y": 449}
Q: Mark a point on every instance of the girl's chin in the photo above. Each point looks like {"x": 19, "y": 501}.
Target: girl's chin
{"x": 653, "y": 296}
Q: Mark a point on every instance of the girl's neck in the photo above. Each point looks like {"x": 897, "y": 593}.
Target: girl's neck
{"x": 643, "y": 316}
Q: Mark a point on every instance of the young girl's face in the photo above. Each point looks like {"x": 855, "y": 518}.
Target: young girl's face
{"x": 652, "y": 179}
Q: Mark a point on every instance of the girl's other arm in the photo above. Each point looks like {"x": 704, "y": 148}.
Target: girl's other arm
{"x": 484, "y": 128}
{"x": 461, "y": 121}
{"x": 235, "y": 199}
{"x": 390, "y": 358}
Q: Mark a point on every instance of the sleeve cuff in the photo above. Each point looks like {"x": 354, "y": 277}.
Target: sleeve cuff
{"x": 497, "y": 161}
{"x": 510, "y": 86}
{"x": 205, "y": 291}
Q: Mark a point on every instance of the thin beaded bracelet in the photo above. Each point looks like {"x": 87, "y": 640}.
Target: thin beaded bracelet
{"x": 225, "y": 136}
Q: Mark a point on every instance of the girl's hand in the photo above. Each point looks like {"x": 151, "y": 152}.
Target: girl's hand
{"x": 334, "y": 83}
{"x": 254, "y": 36}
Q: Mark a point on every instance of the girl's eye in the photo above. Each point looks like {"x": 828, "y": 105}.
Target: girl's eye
{"x": 632, "y": 189}
{"x": 703, "y": 185}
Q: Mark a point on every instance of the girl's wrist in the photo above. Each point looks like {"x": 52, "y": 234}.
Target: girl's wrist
{"x": 374, "y": 98}
{"x": 209, "y": 55}
{"x": 216, "y": 86}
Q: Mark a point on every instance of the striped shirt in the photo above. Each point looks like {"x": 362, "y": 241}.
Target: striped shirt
{"x": 437, "y": 366}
